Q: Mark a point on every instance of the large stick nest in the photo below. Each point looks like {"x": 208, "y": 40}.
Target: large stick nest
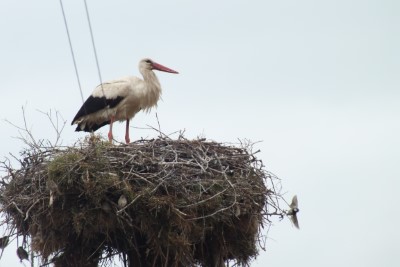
{"x": 188, "y": 203}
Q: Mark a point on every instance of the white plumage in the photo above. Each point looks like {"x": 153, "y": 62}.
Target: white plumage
{"x": 121, "y": 99}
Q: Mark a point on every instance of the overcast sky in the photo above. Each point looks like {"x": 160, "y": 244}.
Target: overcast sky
{"x": 316, "y": 81}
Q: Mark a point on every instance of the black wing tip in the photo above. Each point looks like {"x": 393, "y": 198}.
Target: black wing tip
{"x": 90, "y": 127}
{"x": 78, "y": 129}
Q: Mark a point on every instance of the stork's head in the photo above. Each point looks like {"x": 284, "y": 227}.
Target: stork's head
{"x": 148, "y": 64}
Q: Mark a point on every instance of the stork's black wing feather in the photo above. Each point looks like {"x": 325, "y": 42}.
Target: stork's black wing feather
{"x": 94, "y": 104}
{"x": 91, "y": 127}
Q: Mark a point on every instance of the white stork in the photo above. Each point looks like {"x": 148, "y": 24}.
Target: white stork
{"x": 121, "y": 99}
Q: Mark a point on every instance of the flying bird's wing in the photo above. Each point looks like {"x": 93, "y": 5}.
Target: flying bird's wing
{"x": 294, "y": 204}
{"x": 295, "y": 221}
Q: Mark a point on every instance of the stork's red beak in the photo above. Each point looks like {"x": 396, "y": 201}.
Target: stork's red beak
{"x": 160, "y": 67}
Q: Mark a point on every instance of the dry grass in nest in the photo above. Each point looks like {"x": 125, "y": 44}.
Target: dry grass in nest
{"x": 188, "y": 202}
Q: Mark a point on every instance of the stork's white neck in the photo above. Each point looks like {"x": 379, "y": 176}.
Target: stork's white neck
{"x": 153, "y": 89}
{"x": 151, "y": 80}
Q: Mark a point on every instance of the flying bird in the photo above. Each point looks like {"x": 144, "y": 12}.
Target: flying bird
{"x": 294, "y": 209}
{"x": 121, "y": 99}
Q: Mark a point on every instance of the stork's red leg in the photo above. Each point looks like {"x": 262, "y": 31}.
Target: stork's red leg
{"x": 127, "y": 140}
{"x": 110, "y": 135}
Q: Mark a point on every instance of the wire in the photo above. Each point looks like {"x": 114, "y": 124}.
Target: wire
{"x": 72, "y": 50}
{"x": 94, "y": 47}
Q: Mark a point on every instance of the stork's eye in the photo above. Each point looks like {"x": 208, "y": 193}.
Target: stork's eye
{"x": 148, "y": 61}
